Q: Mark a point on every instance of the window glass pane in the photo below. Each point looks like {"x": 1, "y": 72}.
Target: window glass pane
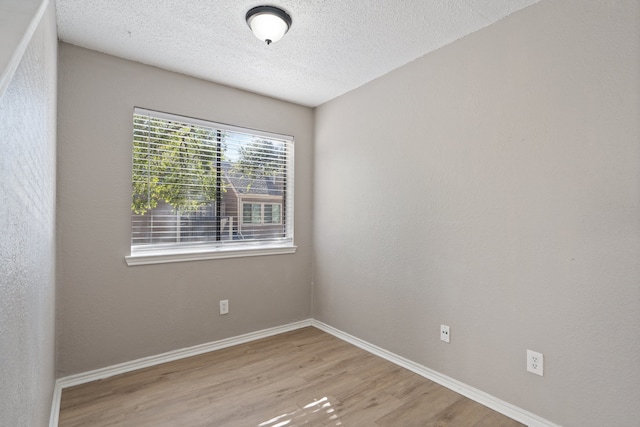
{"x": 276, "y": 214}
{"x": 268, "y": 217}
{"x": 256, "y": 213}
{"x": 174, "y": 181}
{"x": 246, "y": 213}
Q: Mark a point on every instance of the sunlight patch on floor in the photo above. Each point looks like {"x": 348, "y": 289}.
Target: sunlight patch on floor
{"x": 320, "y": 410}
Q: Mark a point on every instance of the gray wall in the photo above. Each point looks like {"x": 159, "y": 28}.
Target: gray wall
{"x": 494, "y": 186}
{"x": 27, "y": 221}
{"x": 108, "y": 312}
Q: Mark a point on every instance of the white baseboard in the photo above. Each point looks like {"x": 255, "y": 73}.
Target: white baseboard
{"x": 182, "y": 353}
{"x": 55, "y": 405}
{"x": 472, "y": 393}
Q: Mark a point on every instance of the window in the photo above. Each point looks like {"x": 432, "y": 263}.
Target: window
{"x": 206, "y": 190}
{"x": 261, "y": 213}
{"x": 272, "y": 214}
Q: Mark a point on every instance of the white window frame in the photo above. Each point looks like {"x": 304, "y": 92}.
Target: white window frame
{"x": 216, "y": 249}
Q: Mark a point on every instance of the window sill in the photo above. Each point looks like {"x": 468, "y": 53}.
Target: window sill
{"x": 163, "y": 257}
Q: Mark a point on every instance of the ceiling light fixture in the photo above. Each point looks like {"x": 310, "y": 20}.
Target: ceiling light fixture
{"x": 268, "y": 23}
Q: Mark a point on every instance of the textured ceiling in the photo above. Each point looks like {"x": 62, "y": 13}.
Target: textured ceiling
{"x": 333, "y": 46}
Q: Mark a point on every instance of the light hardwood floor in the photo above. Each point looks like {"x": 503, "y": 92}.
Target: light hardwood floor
{"x": 305, "y": 377}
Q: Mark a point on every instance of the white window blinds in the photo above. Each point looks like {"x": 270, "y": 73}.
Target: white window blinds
{"x": 193, "y": 181}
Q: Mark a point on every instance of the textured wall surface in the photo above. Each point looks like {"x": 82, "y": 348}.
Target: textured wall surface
{"x": 27, "y": 221}
{"x": 108, "y": 312}
{"x": 494, "y": 186}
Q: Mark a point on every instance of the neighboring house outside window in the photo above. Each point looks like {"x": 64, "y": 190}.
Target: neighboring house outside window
{"x": 257, "y": 202}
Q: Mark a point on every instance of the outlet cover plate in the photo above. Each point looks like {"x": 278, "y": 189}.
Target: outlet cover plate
{"x": 535, "y": 362}
{"x": 224, "y": 306}
{"x": 444, "y": 333}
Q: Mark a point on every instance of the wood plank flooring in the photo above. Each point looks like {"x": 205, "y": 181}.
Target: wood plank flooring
{"x": 305, "y": 377}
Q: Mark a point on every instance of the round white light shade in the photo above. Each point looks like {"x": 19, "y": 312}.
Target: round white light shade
{"x": 268, "y": 23}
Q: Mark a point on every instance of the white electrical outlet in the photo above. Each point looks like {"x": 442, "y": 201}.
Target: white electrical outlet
{"x": 224, "y": 306}
{"x": 535, "y": 362}
{"x": 444, "y": 333}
